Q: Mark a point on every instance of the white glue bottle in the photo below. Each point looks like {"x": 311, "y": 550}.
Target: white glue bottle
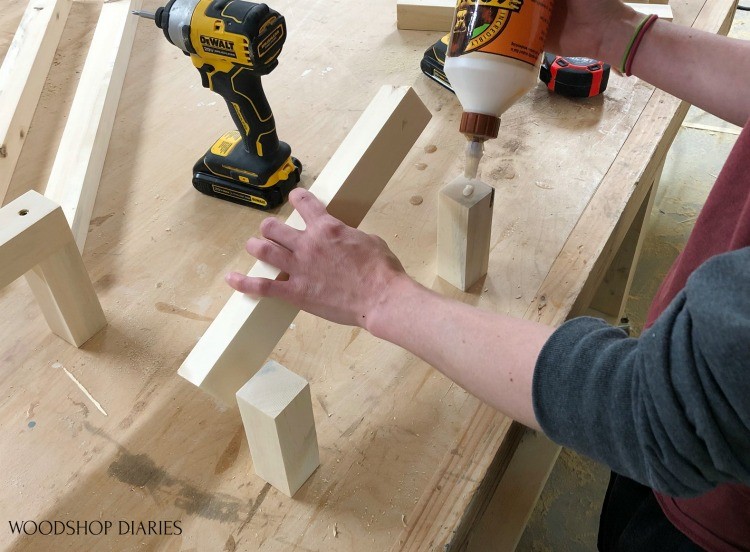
{"x": 493, "y": 59}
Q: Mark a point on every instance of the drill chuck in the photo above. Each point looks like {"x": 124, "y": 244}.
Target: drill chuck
{"x": 174, "y": 19}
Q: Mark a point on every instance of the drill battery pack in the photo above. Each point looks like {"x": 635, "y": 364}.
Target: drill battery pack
{"x": 229, "y": 173}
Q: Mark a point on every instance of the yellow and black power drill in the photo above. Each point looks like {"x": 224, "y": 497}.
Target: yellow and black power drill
{"x": 233, "y": 43}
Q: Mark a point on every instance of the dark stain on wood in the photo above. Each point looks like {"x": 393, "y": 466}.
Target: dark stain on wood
{"x": 98, "y": 221}
{"x": 138, "y": 407}
{"x": 354, "y": 335}
{"x": 84, "y": 409}
{"x": 172, "y": 309}
{"x": 139, "y": 470}
{"x": 513, "y": 145}
{"x": 230, "y": 454}
{"x": 105, "y": 282}
{"x": 254, "y": 507}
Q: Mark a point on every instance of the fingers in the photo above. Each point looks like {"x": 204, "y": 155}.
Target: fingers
{"x": 270, "y": 252}
{"x": 255, "y": 287}
{"x": 275, "y": 230}
{"x": 308, "y": 206}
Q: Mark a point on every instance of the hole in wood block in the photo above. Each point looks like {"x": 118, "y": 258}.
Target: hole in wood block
{"x": 23, "y": 212}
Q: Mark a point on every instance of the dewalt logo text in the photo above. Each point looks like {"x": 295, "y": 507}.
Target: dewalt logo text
{"x": 218, "y": 46}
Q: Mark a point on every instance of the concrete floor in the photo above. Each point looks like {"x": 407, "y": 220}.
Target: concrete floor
{"x": 567, "y": 515}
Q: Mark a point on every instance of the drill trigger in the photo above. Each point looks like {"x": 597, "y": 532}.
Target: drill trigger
{"x": 205, "y": 70}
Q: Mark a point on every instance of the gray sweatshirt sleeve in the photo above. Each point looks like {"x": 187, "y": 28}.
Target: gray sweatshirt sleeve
{"x": 670, "y": 409}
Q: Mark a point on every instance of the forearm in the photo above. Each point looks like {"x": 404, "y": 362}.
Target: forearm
{"x": 704, "y": 69}
{"x": 492, "y": 356}
{"x": 349, "y": 277}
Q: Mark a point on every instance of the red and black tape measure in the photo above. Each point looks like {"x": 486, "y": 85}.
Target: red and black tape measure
{"x": 577, "y": 77}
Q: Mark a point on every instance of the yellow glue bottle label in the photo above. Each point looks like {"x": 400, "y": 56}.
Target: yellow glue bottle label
{"x": 510, "y": 28}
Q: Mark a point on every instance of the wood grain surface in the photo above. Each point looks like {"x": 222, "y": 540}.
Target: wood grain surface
{"x": 407, "y": 458}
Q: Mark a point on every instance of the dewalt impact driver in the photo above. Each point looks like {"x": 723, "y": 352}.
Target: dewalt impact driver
{"x": 233, "y": 43}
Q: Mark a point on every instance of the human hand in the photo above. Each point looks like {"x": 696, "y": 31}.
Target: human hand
{"x": 334, "y": 271}
{"x": 591, "y": 28}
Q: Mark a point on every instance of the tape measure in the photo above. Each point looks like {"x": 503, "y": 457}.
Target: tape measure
{"x": 576, "y": 77}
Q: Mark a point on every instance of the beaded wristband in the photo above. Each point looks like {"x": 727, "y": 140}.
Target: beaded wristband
{"x": 629, "y": 63}
{"x": 636, "y": 36}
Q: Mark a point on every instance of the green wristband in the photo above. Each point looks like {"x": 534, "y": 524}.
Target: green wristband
{"x": 630, "y": 44}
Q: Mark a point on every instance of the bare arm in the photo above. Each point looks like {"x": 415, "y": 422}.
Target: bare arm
{"x": 490, "y": 355}
{"x": 706, "y": 70}
{"x": 352, "y": 278}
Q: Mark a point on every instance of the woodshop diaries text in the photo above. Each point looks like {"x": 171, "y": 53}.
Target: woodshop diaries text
{"x": 95, "y": 527}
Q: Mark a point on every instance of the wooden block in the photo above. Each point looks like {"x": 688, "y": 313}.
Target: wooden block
{"x": 74, "y": 180}
{"x": 35, "y": 240}
{"x": 662, "y": 9}
{"x": 437, "y": 15}
{"x": 22, "y": 77}
{"x": 464, "y": 227}
{"x": 425, "y": 15}
{"x": 276, "y": 410}
{"x": 246, "y": 330}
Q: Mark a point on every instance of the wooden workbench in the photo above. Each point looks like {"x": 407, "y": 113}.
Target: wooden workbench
{"x": 409, "y": 460}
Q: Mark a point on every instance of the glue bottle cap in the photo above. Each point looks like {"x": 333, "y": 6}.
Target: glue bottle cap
{"x": 478, "y": 126}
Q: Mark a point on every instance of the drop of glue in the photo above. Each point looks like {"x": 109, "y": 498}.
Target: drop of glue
{"x": 468, "y": 190}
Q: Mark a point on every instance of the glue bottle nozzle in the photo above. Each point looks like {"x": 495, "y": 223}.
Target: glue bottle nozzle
{"x": 474, "y": 152}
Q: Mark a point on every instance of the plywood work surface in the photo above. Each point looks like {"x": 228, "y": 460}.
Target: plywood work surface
{"x": 110, "y": 432}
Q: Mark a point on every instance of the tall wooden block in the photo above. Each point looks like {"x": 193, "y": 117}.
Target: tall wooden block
{"x": 35, "y": 240}
{"x": 276, "y": 410}
{"x": 464, "y": 227}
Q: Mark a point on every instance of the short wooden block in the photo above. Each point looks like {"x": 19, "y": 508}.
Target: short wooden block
{"x": 464, "y": 228}
{"x": 425, "y": 15}
{"x": 276, "y": 410}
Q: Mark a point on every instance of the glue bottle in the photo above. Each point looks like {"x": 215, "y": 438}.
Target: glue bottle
{"x": 493, "y": 59}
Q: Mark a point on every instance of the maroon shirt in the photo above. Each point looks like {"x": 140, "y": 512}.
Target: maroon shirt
{"x": 720, "y": 519}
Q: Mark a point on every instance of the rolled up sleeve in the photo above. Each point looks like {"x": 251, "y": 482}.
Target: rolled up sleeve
{"x": 670, "y": 409}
